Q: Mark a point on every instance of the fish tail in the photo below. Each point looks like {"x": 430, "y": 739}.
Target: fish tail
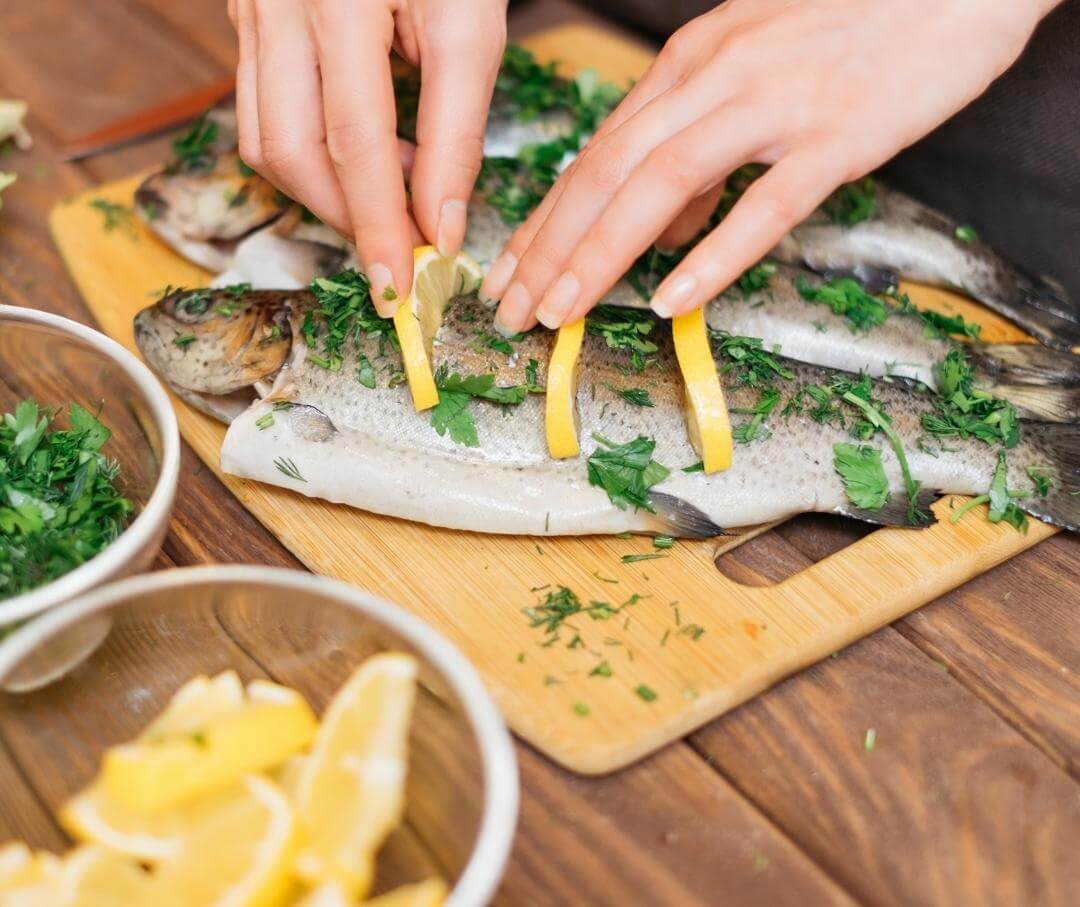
{"x": 1058, "y": 447}
{"x": 1042, "y": 403}
{"x": 1043, "y": 308}
{"x": 679, "y": 518}
{"x": 1026, "y": 363}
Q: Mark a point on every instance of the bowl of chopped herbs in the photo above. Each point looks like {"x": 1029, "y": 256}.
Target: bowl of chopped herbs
{"x": 89, "y": 460}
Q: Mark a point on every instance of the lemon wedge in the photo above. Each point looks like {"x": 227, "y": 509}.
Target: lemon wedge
{"x": 429, "y": 893}
{"x": 196, "y": 702}
{"x": 707, "y": 421}
{"x": 20, "y": 867}
{"x": 87, "y": 877}
{"x": 165, "y": 768}
{"x": 239, "y": 856}
{"x": 560, "y": 404}
{"x": 350, "y": 793}
{"x": 436, "y": 280}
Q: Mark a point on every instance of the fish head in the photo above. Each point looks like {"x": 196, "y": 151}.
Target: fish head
{"x": 217, "y": 342}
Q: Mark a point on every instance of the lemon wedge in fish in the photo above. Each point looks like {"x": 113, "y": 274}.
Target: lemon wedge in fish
{"x": 707, "y": 421}
{"x": 560, "y": 404}
{"x": 436, "y": 280}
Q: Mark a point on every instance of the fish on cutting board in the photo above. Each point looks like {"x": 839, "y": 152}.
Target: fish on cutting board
{"x": 329, "y": 416}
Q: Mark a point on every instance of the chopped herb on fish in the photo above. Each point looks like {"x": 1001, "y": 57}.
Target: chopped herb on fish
{"x": 451, "y": 414}
{"x": 1002, "y": 506}
{"x": 754, "y": 366}
{"x": 195, "y": 148}
{"x": 1040, "y": 479}
{"x": 184, "y": 339}
{"x": 636, "y": 396}
{"x": 624, "y": 329}
{"x": 498, "y": 342}
{"x": 345, "y": 313}
{"x": 196, "y": 302}
{"x": 756, "y": 278}
{"x": 264, "y": 422}
{"x": 752, "y": 428}
{"x": 288, "y": 468}
{"x": 699, "y": 466}
{"x": 626, "y": 471}
{"x": 938, "y": 325}
{"x": 846, "y": 297}
{"x": 852, "y": 203}
{"x": 863, "y": 475}
{"x": 964, "y": 411}
{"x": 966, "y": 234}
{"x": 236, "y": 290}
{"x": 365, "y": 372}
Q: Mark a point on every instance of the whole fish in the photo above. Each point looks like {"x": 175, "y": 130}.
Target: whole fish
{"x": 884, "y": 338}
{"x": 901, "y": 237}
{"x": 328, "y": 434}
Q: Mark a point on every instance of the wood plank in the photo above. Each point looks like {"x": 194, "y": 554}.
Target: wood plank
{"x": 947, "y": 785}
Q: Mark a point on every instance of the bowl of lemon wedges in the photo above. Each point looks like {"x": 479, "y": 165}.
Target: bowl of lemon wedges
{"x": 247, "y": 737}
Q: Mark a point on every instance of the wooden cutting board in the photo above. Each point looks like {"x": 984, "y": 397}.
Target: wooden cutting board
{"x": 693, "y": 646}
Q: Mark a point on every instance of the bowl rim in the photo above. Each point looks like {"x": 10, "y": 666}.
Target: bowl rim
{"x": 153, "y": 516}
{"x": 484, "y": 870}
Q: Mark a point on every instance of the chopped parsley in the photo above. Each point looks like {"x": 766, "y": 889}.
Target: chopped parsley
{"x": 626, "y": 471}
{"x": 580, "y": 708}
{"x": 635, "y": 396}
{"x": 852, "y": 203}
{"x": 452, "y": 414}
{"x": 115, "y": 216}
{"x": 965, "y": 234}
{"x": 264, "y": 421}
{"x": 756, "y": 278}
{"x": 288, "y": 468}
{"x": 962, "y": 411}
{"x": 195, "y": 148}
{"x": 938, "y": 325}
{"x": 662, "y": 542}
{"x": 601, "y": 670}
{"x": 846, "y": 297}
{"x": 645, "y": 693}
{"x": 1040, "y": 479}
{"x": 863, "y": 475}
{"x": 365, "y": 371}
{"x": 625, "y": 329}
{"x": 60, "y": 498}
{"x": 184, "y": 339}
{"x": 634, "y": 558}
{"x": 753, "y": 366}
{"x": 752, "y": 428}
{"x": 344, "y": 315}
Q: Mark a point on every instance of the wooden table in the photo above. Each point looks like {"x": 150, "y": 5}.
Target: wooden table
{"x": 968, "y": 796}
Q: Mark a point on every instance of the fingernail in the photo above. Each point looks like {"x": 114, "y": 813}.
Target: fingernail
{"x": 383, "y": 293}
{"x": 673, "y": 295}
{"x": 450, "y": 233}
{"x": 515, "y": 308}
{"x": 558, "y": 300}
{"x": 498, "y": 277}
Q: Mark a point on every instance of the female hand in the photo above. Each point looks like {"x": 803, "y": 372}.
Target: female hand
{"x": 315, "y": 108}
{"x": 822, "y": 90}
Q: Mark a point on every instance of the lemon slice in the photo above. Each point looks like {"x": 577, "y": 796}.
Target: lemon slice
{"x": 351, "y": 790}
{"x": 429, "y": 893}
{"x": 707, "y": 421}
{"x": 560, "y": 404}
{"x": 87, "y": 877}
{"x": 196, "y": 702}
{"x": 239, "y": 856}
{"x": 436, "y": 280}
{"x": 164, "y": 769}
{"x": 20, "y": 867}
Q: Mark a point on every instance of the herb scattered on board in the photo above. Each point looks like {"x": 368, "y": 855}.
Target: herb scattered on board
{"x": 650, "y": 556}
{"x": 60, "y": 500}
{"x": 963, "y": 411}
{"x": 870, "y": 740}
{"x": 863, "y": 475}
{"x": 626, "y": 471}
{"x": 646, "y": 693}
{"x": 115, "y": 216}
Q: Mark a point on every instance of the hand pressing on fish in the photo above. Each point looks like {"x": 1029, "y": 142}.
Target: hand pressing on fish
{"x": 823, "y": 91}
{"x": 316, "y": 115}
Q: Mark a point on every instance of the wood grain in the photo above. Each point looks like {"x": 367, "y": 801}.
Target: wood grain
{"x": 542, "y": 689}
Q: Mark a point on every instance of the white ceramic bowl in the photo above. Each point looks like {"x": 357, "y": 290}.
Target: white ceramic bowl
{"x": 97, "y": 669}
{"x": 56, "y": 361}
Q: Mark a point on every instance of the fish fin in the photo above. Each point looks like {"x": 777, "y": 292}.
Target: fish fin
{"x": 223, "y": 407}
{"x": 310, "y": 423}
{"x": 1026, "y": 363}
{"x": 676, "y": 517}
{"x": 1042, "y": 403}
{"x": 896, "y": 511}
{"x": 1059, "y": 447}
{"x": 874, "y": 279}
{"x": 1043, "y": 308}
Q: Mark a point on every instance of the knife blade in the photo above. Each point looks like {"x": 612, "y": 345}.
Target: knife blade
{"x": 150, "y": 122}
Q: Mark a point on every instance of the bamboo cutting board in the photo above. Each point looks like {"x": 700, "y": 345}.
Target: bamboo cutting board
{"x": 693, "y": 645}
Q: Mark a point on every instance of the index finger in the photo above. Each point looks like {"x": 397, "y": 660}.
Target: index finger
{"x": 358, "y": 99}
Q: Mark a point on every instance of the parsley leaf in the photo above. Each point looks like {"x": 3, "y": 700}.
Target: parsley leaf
{"x": 863, "y": 475}
{"x": 852, "y": 203}
{"x": 846, "y": 297}
{"x": 624, "y": 329}
{"x": 625, "y": 471}
{"x": 963, "y": 411}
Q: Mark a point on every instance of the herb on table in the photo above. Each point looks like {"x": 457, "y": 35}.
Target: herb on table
{"x": 852, "y": 203}
{"x": 580, "y": 708}
{"x": 634, "y": 558}
{"x": 963, "y": 411}
{"x": 624, "y": 329}
{"x": 601, "y": 670}
{"x": 662, "y": 542}
{"x": 645, "y": 693}
{"x": 288, "y": 468}
{"x": 870, "y": 740}
{"x": 626, "y": 471}
{"x": 116, "y": 216}
{"x": 863, "y": 475}
{"x": 846, "y": 297}
{"x": 965, "y": 234}
{"x": 195, "y": 148}
{"x": 60, "y": 499}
